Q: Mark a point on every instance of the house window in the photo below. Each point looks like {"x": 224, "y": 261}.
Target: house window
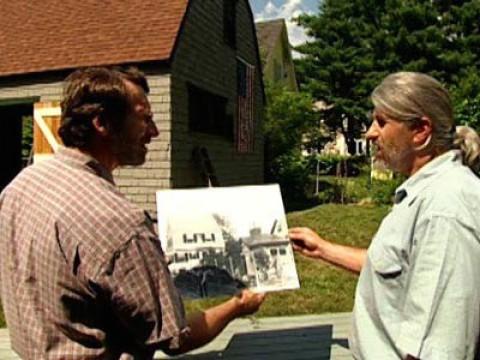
{"x": 187, "y": 240}
{"x": 207, "y": 113}
{"x": 180, "y": 258}
{"x": 229, "y": 22}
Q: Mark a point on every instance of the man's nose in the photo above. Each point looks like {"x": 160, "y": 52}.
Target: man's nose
{"x": 152, "y": 129}
{"x": 372, "y": 132}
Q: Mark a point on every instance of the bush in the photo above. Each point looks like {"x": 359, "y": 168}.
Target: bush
{"x": 383, "y": 191}
{"x": 329, "y": 192}
{"x": 291, "y": 172}
{"x": 338, "y": 190}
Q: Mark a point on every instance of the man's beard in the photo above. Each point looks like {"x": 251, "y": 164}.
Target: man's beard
{"x": 395, "y": 157}
{"x": 129, "y": 151}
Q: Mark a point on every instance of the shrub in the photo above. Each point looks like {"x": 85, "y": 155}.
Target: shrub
{"x": 329, "y": 192}
{"x": 383, "y": 191}
{"x": 338, "y": 190}
{"x": 291, "y": 172}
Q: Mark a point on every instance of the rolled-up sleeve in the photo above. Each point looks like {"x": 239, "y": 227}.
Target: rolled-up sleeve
{"x": 142, "y": 294}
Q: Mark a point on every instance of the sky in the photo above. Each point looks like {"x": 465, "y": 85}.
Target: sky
{"x": 274, "y": 9}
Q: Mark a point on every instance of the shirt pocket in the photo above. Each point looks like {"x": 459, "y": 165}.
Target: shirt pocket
{"x": 388, "y": 277}
{"x": 385, "y": 254}
{"x": 386, "y": 266}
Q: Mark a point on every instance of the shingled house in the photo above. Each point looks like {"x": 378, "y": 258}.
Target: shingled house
{"x": 202, "y": 62}
{"x": 276, "y": 54}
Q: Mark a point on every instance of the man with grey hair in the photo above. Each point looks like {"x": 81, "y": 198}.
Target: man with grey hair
{"x": 418, "y": 295}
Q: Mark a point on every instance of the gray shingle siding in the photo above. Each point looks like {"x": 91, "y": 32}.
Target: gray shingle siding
{"x": 203, "y": 59}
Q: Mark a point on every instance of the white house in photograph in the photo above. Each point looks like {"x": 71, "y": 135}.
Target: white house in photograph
{"x": 188, "y": 242}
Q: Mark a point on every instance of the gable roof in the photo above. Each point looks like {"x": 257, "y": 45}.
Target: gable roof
{"x": 46, "y": 35}
{"x": 268, "y": 34}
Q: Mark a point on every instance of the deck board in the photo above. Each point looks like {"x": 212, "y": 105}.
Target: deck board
{"x": 308, "y": 337}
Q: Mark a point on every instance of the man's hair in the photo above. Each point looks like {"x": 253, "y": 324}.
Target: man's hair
{"x": 96, "y": 92}
{"x": 133, "y": 75}
{"x": 408, "y": 96}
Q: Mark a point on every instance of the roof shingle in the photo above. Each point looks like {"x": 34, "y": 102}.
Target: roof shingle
{"x": 37, "y": 36}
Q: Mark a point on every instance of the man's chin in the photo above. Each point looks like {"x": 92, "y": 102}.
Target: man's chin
{"x": 378, "y": 158}
{"x": 133, "y": 159}
{"x": 380, "y": 163}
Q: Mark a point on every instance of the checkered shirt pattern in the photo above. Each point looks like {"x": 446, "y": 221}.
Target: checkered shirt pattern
{"x": 82, "y": 273}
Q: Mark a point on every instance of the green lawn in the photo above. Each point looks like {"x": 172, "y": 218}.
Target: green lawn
{"x": 323, "y": 287}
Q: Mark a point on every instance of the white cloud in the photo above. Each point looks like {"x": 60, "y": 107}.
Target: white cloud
{"x": 289, "y": 10}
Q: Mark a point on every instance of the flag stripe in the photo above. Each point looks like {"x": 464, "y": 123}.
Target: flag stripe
{"x": 245, "y": 107}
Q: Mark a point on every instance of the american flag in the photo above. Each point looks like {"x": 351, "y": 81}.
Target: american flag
{"x": 245, "y": 121}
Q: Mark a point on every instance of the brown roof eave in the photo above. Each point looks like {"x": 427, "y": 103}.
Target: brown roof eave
{"x": 62, "y": 72}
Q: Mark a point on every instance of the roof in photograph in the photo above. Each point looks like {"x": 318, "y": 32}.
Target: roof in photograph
{"x": 37, "y": 36}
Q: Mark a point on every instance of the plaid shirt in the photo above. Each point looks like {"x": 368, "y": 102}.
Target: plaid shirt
{"x": 82, "y": 271}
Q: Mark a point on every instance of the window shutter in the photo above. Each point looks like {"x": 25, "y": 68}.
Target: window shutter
{"x": 46, "y": 118}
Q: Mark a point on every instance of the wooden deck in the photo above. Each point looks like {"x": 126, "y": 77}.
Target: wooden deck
{"x": 319, "y": 337}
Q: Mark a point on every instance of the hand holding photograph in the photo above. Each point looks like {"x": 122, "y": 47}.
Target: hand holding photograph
{"x": 222, "y": 239}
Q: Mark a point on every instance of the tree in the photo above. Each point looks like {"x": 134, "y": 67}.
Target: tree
{"x": 466, "y": 97}
{"x": 262, "y": 263}
{"x": 358, "y": 42}
{"x": 233, "y": 246}
{"x": 289, "y": 118}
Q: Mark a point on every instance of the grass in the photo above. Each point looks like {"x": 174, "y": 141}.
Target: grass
{"x": 323, "y": 288}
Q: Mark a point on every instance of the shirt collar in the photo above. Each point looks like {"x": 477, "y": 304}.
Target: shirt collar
{"x": 76, "y": 158}
{"x": 423, "y": 177}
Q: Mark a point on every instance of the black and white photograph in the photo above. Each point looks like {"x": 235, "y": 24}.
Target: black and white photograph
{"x": 220, "y": 240}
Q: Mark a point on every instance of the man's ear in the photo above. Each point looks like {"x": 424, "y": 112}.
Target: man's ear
{"x": 422, "y": 131}
{"x": 100, "y": 127}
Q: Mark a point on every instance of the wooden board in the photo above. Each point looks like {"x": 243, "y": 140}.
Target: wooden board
{"x": 46, "y": 116}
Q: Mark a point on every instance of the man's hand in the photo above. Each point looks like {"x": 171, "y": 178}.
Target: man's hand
{"x": 306, "y": 242}
{"x": 247, "y": 302}
{"x": 206, "y": 325}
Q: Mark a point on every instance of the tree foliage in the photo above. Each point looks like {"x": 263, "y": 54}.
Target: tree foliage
{"x": 355, "y": 43}
{"x": 289, "y": 118}
{"x": 466, "y": 97}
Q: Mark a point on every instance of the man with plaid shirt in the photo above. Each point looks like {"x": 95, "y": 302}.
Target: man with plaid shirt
{"x": 82, "y": 274}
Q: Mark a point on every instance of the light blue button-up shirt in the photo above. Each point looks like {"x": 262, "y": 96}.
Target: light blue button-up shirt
{"x": 419, "y": 289}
